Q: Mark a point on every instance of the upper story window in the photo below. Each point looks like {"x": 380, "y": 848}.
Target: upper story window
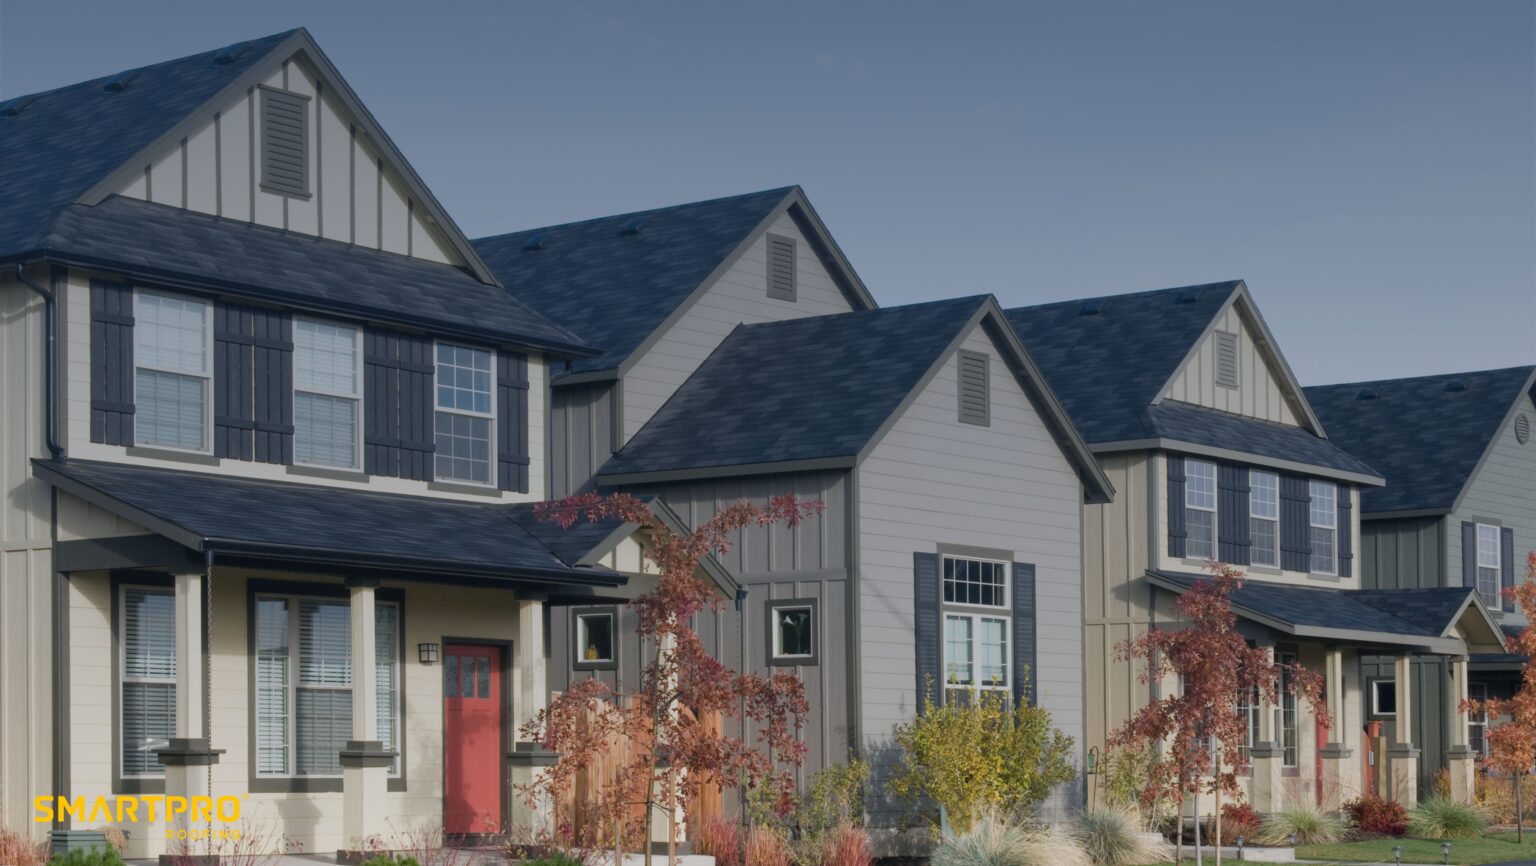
{"x": 976, "y": 642}
{"x": 173, "y": 359}
{"x": 975, "y": 581}
{"x": 1263, "y": 518}
{"x": 465, "y": 389}
{"x": 1324, "y": 517}
{"x": 1489, "y": 566}
{"x": 327, "y": 394}
{"x": 147, "y": 677}
{"x": 1200, "y": 509}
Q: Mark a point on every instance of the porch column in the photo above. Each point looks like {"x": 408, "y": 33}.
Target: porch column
{"x": 364, "y": 760}
{"x": 1460, "y": 757}
{"x": 187, "y": 756}
{"x": 531, "y": 821}
{"x": 1336, "y": 758}
{"x": 1402, "y": 757}
{"x": 1268, "y": 753}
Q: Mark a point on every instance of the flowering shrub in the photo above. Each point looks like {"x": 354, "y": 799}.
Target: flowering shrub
{"x": 1372, "y": 814}
{"x": 1237, "y": 819}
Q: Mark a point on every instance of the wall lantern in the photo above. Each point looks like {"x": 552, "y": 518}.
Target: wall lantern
{"x": 427, "y": 653}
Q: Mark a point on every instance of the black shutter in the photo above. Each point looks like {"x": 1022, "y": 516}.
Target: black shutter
{"x": 1295, "y": 523}
{"x": 1232, "y": 514}
{"x": 928, "y": 614}
{"x": 272, "y": 378}
{"x": 381, "y": 403}
{"x": 1469, "y": 554}
{"x": 512, "y": 421}
{"x": 234, "y": 405}
{"x": 1176, "y": 531}
{"x": 111, "y": 362}
{"x": 1346, "y": 530}
{"x": 1025, "y": 673}
{"x": 418, "y": 438}
{"x": 1507, "y": 564}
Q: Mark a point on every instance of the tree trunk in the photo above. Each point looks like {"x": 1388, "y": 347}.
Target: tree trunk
{"x": 1178, "y": 834}
{"x": 1199, "y": 855}
{"x": 1217, "y": 814}
{"x": 1519, "y": 812}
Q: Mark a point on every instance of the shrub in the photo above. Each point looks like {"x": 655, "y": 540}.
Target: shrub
{"x": 1372, "y": 814}
{"x": 1444, "y": 818}
{"x": 1237, "y": 819}
{"x": 765, "y": 848}
{"x": 992, "y": 841}
{"x": 845, "y": 846}
{"x": 18, "y": 850}
{"x": 1310, "y": 824}
{"x": 392, "y": 860}
{"x": 718, "y": 839}
{"x": 551, "y": 859}
{"x": 1122, "y": 781}
{"x": 834, "y": 798}
{"x": 1112, "y": 837}
{"x": 103, "y": 856}
{"x": 1496, "y": 797}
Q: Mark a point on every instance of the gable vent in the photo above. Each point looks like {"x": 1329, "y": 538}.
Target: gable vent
{"x": 632, "y": 227}
{"x": 284, "y": 142}
{"x": 119, "y": 82}
{"x": 975, "y": 389}
{"x": 1456, "y": 385}
{"x": 1522, "y": 428}
{"x": 1091, "y": 308}
{"x": 781, "y": 268}
{"x": 1226, "y": 359}
{"x": 1367, "y": 394}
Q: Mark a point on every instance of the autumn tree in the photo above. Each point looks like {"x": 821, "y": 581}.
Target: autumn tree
{"x": 669, "y": 750}
{"x": 1512, "y": 745}
{"x": 1199, "y": 725}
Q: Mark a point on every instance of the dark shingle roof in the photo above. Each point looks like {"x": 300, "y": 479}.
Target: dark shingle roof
{"x": 801, "y": 389}
{"x": 1422, "y": 434}
{"x": 306, "y": 522}
{"x": 1185, "y": 422}
{"x": 151, "y": 239}
{"x": 62, "y": 142}
{"x": 1108, "y": 358}
{"x": 612, "y": 287}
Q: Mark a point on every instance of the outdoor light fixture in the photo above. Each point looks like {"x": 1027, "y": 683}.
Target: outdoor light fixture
{"x": 1445, "y": 848}
{"x": 1241, "y": 841}
{"x": 1293, "y": 840}
{"x": 427, "y": 652}
{"x": 1397, "y": 854}
{"x": 1093, "y": 760}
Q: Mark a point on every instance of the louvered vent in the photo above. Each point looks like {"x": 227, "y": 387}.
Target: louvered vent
{"x": 975, "y": 390}
{"x": 1226, "y": 359}
{"x": 781, "y": 268}
{"x": 1522, "y": 428}
{"x": 284, "y": 142}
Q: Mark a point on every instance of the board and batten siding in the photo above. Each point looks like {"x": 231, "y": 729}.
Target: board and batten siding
{"x": 1260, "y": 392}
{"x": 216, "y": 170}
{"x": 580, "y": 436}
{"x": 1503, "y": 491}
{"x": 933, "y": 480}
{"x": 740, "y": 295}
{"x": 1406, "y": 553}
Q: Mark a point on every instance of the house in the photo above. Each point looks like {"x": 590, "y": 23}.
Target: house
{"x": 1459, "y": 510}
{"x": 747, "y": 360}
{"x": 1184, "y": 396}
{"x": 273, "y": 435}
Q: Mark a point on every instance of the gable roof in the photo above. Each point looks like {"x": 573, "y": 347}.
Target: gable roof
{"x": 615, "y": 280}
{"x": 818, "y": 391}
{"x": 1425, "y": 434}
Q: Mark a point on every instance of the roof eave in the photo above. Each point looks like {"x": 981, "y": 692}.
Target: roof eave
{"x": 1165, "y": 444}
{"x": 729, "y": 470}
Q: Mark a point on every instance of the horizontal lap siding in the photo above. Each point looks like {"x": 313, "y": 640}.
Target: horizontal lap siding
{"x": 1503, "y": 490}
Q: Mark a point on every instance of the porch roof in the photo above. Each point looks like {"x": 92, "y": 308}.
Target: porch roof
{"x": 1425, "y": 619}
{"x": 330, "y": 527}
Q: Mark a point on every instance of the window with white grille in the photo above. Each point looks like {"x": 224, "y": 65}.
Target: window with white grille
{"x": 1489, "y": 566}
{"x": 327, "y": 393}
{"x": 465, "y": 392}
{"x": 1263, "y": 518}
{"x": 147, "y": 677}
{"x": 1200, "y": 509}
{"x": 977, "y": 624}
{"x": 1324, "y": 512}
{"x": 173, "y": 357}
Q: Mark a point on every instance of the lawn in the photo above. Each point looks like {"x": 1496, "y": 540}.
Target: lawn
{"x": 1500, "y": 848}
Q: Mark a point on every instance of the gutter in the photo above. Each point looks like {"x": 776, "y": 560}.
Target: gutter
{"x": 50, "y": 361}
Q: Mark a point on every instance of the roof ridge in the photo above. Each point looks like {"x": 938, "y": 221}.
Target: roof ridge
{"x": 784, "y": 190}
{"x": 1136, "y": 294}
{"x": 917, "y": 305}
{"x": 1526, "y": 368}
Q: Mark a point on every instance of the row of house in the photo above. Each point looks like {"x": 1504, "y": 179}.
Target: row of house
{"x": 274, "y": 429}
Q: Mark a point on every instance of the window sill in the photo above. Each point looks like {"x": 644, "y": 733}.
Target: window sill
{"x": 465, "y": 487}
{"x": 328, "y": 472}
{"x": 172, "y": 454}
{"x": 302, "y": 785}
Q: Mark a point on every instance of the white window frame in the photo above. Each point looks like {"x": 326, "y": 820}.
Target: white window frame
{"x": 1249, "y": 706}
{"x": 123, "y": 680}
{"x": 1376, "y": 708}
{"x": 581, "y": 636}
{"x": 1007, "y": 603}
{"x": 1274, "y": 521}
{"x": 1479, "y": 720}
{"x": 1189, "y": 505}
{"x": 491, "y": 465}
{"x": 356, "y": 396}
{"x": 1490, "y": 559}
{"x": 1001, "y": 612}
{"x": 295, "y": 667}
{"x": 778, "y": 635}
{"x": 1288, "y": 719}
{"x": 1313, "y": 485}
{"x": 206, "y": 375}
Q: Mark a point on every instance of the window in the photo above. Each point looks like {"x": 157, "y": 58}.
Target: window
{"x": 1200, "y": 509}
{"x": 466, "y": 676}
{"x": 464, "y": 388}
{"x": 173, "y": 362}
{"x": 1248, "y": 708}
{"x": 1325, "y": 526}
{"x": 304, "y": 685}
{"x": 792, "y": 631}
{"x": 1489, "y": 582}
{"x": 975, "y": 581}
{"x": 147, "y": 677}
{"x": 1264, "y": 518}
{"x": 1477, "y": 723}
{"x": 1289, "y": 745}
{"x": 327, "y": 393}
{"x": 976, "y": 643}
{"x": 595, "y": 639}
{"x": 975, "y": 389}
{"x": 1226, "y": 359}
{"x": 284, "y": 142}
{"x": 781, "y": 268}
{"x": 1383, "y": 698}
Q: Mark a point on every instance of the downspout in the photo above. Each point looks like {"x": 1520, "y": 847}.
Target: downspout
{"x": 50, "y": 377}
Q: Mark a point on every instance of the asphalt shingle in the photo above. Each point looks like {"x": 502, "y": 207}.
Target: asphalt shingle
{"x": 1185, "y": 422}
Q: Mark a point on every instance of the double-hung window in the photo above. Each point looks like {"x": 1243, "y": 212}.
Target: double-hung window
{"x": 1489, "y": 566}
{"x": 1325, "y": 527}
{"x": 1200, "y": 509}
{"x": 1289, "y": 744}
{"x": 1477, "y": 723}
{"x": 304, "y": 683}
{"x": 147, "y": 677}
{"x": 465, "y": 421}
{"x": 173, "y": 360}
{"x": 327, "y": 393}
{"x": 1264, "y": 518}
{"x": 1248, "y": 707}
{"x": 977, "y": 624}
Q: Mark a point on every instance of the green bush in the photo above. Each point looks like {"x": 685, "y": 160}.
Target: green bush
{"x": 1111, "y": 837}
{"x": 1308, "y": 823}
{"x": 390, "y": 860}
{"x": 1445, "y": 818}
{"x": 993, "y": 841}
{"x": 555, "y": 859}
{"x": 99, "y": 856}
{"x": 834, "y": 798}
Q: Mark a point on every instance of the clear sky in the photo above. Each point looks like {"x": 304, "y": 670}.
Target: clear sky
{"x": 1368, "y": 167}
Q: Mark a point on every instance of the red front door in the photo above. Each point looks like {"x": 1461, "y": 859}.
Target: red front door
{"x": 472, "y": 738}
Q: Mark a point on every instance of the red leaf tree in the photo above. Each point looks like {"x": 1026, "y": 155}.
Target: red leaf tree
{"x": 669, "y": 750}
{"x": 1512, "y": 745}
{"x": 1200, "y": 726}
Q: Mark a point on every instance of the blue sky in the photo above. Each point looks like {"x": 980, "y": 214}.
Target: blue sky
{"x": 1368, "y": 167}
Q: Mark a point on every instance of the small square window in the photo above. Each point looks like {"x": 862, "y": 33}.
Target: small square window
{"x": 1383, "y": 698}
{"x": 792, "y": 632}
{"x": 595, "y": 639}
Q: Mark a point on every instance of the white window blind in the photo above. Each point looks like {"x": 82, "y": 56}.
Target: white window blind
{"x": 465, "y": 388}
{"x": 148, "y": 677}
{"x": 174, "y": 366}
{"x": 327, "y": 382}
